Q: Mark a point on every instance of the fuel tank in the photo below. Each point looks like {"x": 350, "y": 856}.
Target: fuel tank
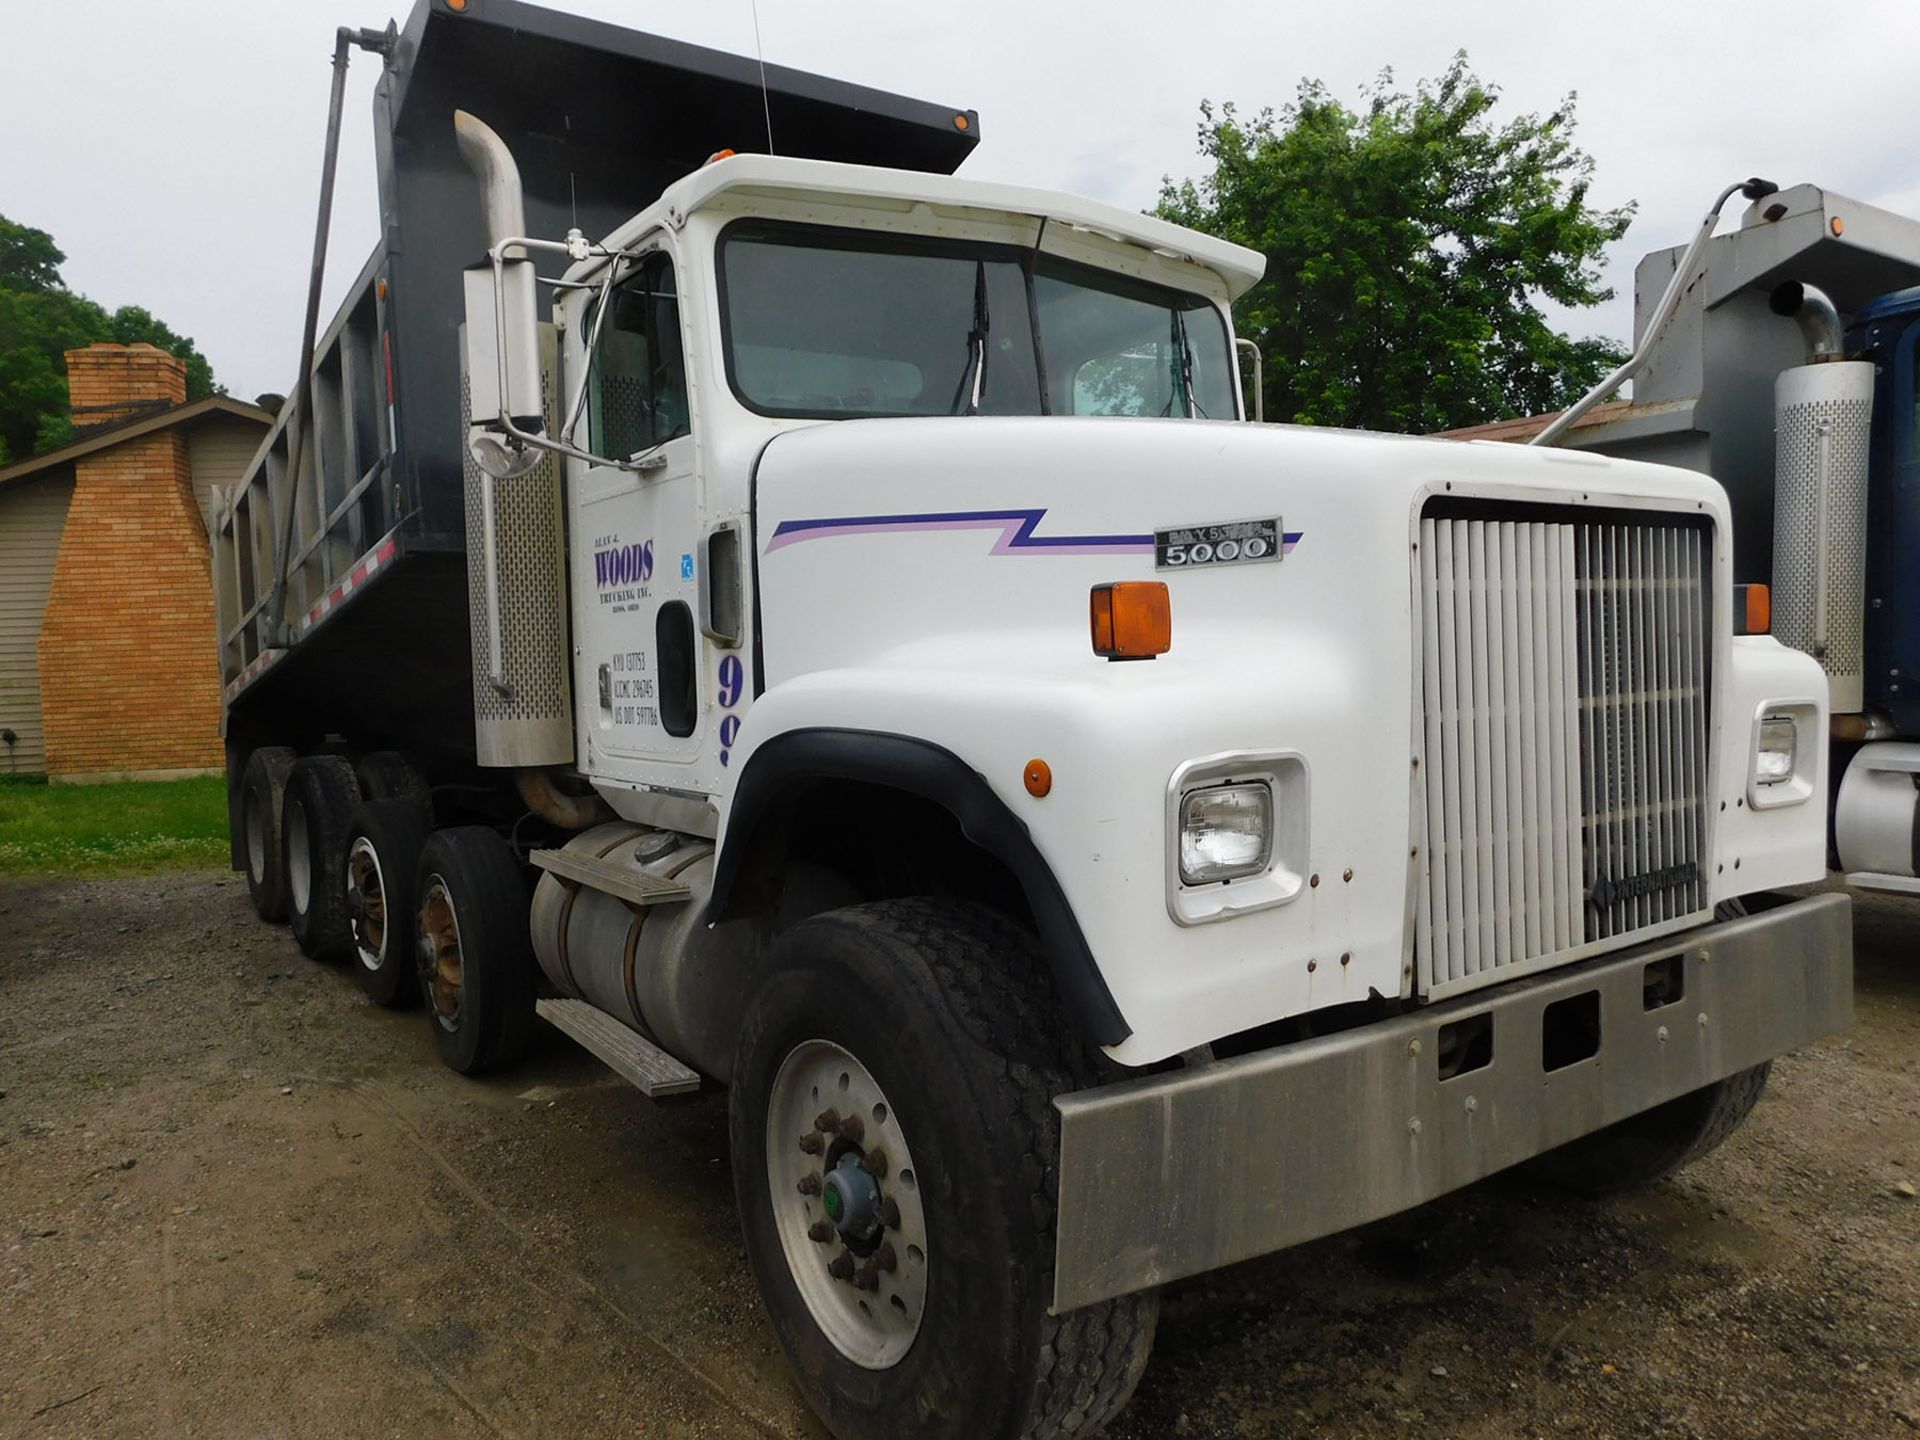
{"x": 657, "y": 968}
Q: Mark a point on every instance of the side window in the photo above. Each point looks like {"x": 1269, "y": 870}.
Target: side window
{"x": 637, "y": 379}
{"x": 674, "y": 644}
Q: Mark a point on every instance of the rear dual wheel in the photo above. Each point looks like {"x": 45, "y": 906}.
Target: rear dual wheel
{"x": 894, "y": 1153}
{"x": 384, "y": 841}
{"x": 320, "y": 795}
{"x": 262, "y": 793}
{"x": 389, "y": 775}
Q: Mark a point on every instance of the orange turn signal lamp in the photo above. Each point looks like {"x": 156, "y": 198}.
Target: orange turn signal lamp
{"x": 1132, "y": 619}
{"x": 1752, "y": 610}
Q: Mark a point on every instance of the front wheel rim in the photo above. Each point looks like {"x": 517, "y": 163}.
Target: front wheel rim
{"x": 846, "y": 1204}
{"x": 367, "y": 895}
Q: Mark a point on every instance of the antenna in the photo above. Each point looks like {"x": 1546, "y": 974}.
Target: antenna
{"x": 760, "y": 54}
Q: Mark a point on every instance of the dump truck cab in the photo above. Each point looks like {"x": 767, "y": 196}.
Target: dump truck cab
{"x": 763, "y": 296}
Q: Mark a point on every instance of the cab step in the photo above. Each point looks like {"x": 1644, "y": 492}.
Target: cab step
{"x": 636, "y": 887}
{"x": 629, "y": 1053}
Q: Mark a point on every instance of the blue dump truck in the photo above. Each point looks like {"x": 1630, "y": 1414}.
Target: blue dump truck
{"x": 1779, "y": 358}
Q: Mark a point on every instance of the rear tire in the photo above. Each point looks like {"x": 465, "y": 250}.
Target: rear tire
{"x": 384, "y": 841}
{"x": 930, "y": 1321}
{"x": 473, "y": 952}
{"x": 320, "y": 797}
{"x": 263, "y": 787}
{"x": 1654, "y": 1144}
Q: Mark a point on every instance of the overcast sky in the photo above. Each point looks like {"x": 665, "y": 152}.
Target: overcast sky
{"x": 173, "y": 148}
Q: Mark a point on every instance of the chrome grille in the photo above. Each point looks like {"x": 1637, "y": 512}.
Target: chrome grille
{"x": 1564, "y": 668}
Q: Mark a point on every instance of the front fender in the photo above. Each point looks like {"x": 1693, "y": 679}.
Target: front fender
{"x": 1769, "y": 836}
{"x": 915, "y": 767}
{"x": 1114, "y": 741}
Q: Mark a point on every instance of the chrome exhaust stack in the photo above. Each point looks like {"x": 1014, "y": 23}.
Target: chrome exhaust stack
{"x": 522, "y": 686}
{"x": 1817, "y": 316}
{"x": 1823, "y": 418}
{"x": 494, "y": 167}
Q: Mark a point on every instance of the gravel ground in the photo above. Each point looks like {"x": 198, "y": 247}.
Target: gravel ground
{"x": 237, "y": 1200}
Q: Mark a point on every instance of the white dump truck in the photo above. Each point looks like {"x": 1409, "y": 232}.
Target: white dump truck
{"x": 805, "y": 623}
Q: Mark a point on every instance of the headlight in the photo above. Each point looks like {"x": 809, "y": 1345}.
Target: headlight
{"x": 1773, "y": 751}
{"x": 1786, "y": 752}
{"x": 1226, "y": 833}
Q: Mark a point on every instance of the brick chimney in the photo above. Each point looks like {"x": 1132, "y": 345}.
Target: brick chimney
{"x": 110, "y": 383}
{"x": 129, "y": 677}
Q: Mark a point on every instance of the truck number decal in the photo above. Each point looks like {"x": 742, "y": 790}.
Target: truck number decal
{"x": 733, "y": 684}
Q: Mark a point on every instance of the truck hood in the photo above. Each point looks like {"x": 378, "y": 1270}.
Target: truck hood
{"x": 930, "y": 578}
{"x": 897, "y": 539}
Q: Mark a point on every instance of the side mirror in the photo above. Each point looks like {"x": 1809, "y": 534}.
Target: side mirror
{"x": 503, "y": 328}
{"x": 503, "y": 347}
{"x": 506, "y": 430}
{"x": 1247, "y": 348}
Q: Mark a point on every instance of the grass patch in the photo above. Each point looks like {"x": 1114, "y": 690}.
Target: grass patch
{"x": 132, "y": 827}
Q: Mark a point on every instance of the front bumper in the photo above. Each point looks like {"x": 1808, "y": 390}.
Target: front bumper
{"x": 1171, "y": 1175}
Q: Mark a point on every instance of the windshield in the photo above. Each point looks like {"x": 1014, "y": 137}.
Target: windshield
{"x": 830, "y": 323}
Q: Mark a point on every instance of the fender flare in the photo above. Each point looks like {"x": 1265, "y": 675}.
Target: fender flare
{"x": 933, "y": 773}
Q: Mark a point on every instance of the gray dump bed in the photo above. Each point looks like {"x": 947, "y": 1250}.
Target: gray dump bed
{"x": 370, "y": 636}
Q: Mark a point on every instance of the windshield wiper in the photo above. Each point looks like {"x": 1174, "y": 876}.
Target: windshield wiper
{"x": 1183, "y": 368}
{"x": 973, "y": 379}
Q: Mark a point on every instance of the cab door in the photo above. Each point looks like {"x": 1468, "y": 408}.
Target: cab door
{"x": 634, "y": 535}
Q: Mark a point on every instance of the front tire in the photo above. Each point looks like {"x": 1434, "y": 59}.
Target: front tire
{"x": 1654, "y": 1144}
{"x": 474, "y": 956}
{"x": 924, "y": 1032}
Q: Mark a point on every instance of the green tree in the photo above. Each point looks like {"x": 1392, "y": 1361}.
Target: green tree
{"x": 1409, "y": 246}
{"x": 40, "y": 319}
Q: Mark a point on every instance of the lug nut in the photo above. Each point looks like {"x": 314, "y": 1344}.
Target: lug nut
{"x": 886, "y": 1259}
{"x": 841, "y": 1266}
{"x": 827, "y": 1121}
{"x": 809, "y": 1185}
{"x": 820, "y": 1232}
{"x": 852, "y": 1129}
{"x": 868, "y": 1278}
{"x": 874, "y": 1162}
{"x": 811, "y": 1144}
{"x": 889, "y": 1214}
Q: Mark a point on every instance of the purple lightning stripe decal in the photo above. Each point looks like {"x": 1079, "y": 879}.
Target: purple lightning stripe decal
{"x": 1016, "y": 532}
{"x": 1016, "y": 529}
